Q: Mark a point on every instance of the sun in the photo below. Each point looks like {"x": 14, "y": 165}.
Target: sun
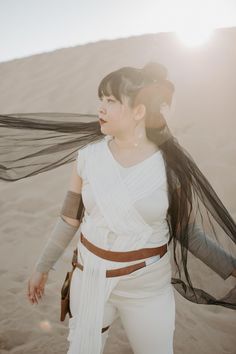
{"x": 194, "y": 36}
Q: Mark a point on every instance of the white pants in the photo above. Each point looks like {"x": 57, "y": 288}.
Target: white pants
{"x": 144, "y": 301}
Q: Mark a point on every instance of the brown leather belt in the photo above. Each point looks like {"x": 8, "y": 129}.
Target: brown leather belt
{"x": 119, "y": 257}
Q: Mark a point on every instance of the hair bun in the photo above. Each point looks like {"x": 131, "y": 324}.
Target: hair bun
{"x": 155, "y": 71}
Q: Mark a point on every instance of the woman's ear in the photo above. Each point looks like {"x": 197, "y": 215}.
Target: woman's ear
{"x": 140, "y": 111}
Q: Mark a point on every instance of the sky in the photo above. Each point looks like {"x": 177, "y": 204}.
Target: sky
{"x": 30, "y": 27}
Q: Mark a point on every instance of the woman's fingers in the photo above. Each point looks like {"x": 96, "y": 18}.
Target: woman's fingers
{"x": 32, "y": 298}
{"x": 40, "y": 292}
{"x": 34, "y": 293}
{"x": 30, "y": 292}
{"x": 35, "y": 296}
{"x": 36, "y": 286}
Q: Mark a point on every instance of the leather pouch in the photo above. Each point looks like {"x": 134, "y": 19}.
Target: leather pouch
{"x": 65, "y": 296}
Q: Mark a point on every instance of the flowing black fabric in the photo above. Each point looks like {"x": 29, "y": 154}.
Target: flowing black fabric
{"x": 38, "y": 142}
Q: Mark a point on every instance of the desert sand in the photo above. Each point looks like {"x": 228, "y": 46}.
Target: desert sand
{"x": 202, "y": 118}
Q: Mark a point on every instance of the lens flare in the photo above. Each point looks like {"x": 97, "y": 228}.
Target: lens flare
{"x": 194, "y": 36}
{"x": 45, "y": 326}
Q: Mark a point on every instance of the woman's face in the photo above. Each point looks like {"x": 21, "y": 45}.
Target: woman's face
{"x": 119, "y": 117}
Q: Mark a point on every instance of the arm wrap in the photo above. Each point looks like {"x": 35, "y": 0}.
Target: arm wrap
{"x": 209, "y": 252}
{"x": 73, "y": 206}
{"x": 62, "y": 233}
{"x": 61, "y": 236}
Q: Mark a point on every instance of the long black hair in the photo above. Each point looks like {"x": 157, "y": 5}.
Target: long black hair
{"x": 151, "y": 87}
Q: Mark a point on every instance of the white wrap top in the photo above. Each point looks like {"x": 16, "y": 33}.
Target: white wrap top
{"x": 146, "y": 185}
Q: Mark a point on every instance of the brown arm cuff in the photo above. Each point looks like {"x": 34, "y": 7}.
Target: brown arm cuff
{"x": 73, "y": 206}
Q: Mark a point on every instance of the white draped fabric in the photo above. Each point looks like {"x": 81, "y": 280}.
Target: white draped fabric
{"x": 115, "y": 198}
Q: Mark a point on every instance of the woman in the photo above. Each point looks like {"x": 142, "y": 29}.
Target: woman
{"x": 137, "y": 186}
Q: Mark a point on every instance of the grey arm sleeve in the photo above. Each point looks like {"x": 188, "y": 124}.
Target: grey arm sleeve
{"x": 61, "y": 236}
{"x": 209, "y": 252}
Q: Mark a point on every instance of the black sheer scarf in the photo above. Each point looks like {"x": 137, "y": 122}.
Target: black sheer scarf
{"x": 33, "y": 143}
{"x": 38, "y": 142}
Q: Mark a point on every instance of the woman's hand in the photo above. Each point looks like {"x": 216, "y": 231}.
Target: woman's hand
{"x": 36, "y": 286}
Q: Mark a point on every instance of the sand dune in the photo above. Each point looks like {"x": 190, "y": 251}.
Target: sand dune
{"x": 66, "y": 80}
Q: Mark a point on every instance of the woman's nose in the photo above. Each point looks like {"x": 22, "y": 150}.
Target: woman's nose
{"x": 101, "y": 109}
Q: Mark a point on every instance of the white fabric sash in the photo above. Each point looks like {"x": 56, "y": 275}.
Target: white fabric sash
{"x": 115, "y": 203}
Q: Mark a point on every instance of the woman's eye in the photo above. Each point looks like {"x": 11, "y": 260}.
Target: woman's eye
{"x": 108, "y": 100}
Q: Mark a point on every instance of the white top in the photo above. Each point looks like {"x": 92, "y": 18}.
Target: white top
{"x": 152, "y": 207}
{"x": 120, "y": 205}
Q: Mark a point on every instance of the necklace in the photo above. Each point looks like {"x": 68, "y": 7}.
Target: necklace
{"x": 135, "y": 145}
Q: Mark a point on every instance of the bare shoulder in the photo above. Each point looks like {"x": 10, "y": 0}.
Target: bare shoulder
{"x": 75, "y": 182}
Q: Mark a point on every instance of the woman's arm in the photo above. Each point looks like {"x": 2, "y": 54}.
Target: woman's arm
{"x": 208, "y": 251}
{"x": 66, "y": 225}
